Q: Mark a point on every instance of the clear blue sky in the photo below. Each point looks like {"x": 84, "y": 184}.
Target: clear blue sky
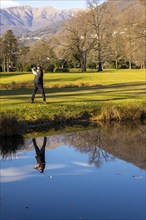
{"x": 59, "y": 4}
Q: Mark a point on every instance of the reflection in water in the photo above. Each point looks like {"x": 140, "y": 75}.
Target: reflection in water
{"x": 101, "y": 144}
{"x": 40, "y": 155}
{"x": 9, "y": 146}
{"x": 124, "y": 142}
{"x": 91, "y": 142}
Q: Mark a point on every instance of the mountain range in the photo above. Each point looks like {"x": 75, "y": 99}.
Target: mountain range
{"x": 31, "y": 24}
{"x": 25, "y": 19}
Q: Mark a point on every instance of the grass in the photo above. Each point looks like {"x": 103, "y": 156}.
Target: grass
{"x": 109, "y": 95}
{"x": 92, "y": 78}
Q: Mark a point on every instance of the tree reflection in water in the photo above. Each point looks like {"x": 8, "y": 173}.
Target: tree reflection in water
{"x": 92, "y": 143}
{"x": 126, "y": 142}
{"x": 10, "y": 145}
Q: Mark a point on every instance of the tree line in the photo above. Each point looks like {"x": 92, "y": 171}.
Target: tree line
{"x": 103, "y": 36}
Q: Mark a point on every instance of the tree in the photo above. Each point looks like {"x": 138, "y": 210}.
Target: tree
{"x": 1, "y": 54}
{"x": 132, "y": 26}
{"x": 140, "y": 34}
{"x": 101, "y": 25}
{"x": 78, "y": 39}
{"x": 143, "y": 2}
{"x": 129, "y": 21}
{"x": 42, "y": 53}
{"x": 9, "y": 50}
{"x": 22, "y": 54}
{"x": 116, "y": 48}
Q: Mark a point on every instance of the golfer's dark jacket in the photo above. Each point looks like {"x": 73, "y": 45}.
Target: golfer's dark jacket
{"x": 39, "y": 78}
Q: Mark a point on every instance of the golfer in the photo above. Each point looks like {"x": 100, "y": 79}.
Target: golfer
{"x": 38, "y": 83}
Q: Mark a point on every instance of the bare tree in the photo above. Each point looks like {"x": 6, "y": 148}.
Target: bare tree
{"x": 22, "y": 61}
{"x": 140, "y": 33}
{"x": 101, "y": 24}
{"x": 116, "y": 47}
{"x": 42, "y": 53}
{"x": 77, "y": 38}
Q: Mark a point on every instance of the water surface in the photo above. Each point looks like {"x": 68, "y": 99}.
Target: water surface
{"x": 95, "y": 174}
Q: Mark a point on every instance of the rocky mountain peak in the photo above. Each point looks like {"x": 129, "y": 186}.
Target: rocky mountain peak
{"x": 26, "y": 18}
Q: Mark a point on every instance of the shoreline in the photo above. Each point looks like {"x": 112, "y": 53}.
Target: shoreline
{"x": 11, "y": 126}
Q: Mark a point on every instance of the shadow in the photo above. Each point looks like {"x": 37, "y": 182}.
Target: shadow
{"x": 63, "y": 79}
{"x": 75, "y": 89}
{"x": 40, "y": 155}
{"x": 9, "y": 147}
{"x": 12, "y": 74}
{"x": 92, "y": 94}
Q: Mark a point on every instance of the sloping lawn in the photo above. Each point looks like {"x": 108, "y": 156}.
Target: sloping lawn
{"x": 71, "y": 94}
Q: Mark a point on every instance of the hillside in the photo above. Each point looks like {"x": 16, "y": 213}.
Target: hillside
{"x": 26, "y": 19}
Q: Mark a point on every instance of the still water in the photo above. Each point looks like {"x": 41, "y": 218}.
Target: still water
{"x": 93, "y": 174}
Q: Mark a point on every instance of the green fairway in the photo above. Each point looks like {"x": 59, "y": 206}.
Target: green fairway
{"x": 104, "y": 78}
{"x": 71, "y": 94}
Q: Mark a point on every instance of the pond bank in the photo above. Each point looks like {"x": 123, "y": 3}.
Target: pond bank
{"x": 13, "y": 123}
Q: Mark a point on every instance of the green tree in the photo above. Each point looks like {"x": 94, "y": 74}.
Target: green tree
{"x": 9, "y": 50}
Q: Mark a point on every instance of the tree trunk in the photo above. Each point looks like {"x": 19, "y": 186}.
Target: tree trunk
{"x": 99, "y": 59}
{"x": 130, "y": 54}
{"x": 130, "y": 65}
{"x": 141, "y": 66}
{"x": 100, "y": 67}
{"x": 7, "y": 64}
{"x": 116, "y": 63}
{"x": 4, "y": 65}
{"x": 83, "y": 63}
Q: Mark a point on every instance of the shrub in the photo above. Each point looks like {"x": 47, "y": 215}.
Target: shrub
{"x": 60, "y": 70}
{"x": 109, "y": 113}
{"x": 9, "y": 125}
{"x": 126, "y": 112}
{"x": 9, "y": 148}
{"x": 131, "y": 111}
{"x": 27, "y": 67}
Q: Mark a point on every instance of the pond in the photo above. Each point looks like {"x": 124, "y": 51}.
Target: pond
{"x": 90, "y": 174}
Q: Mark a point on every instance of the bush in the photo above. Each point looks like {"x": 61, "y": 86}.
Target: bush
{"x": 91, "y": 65}
{"x": 109, "y": 113}
{"x": 60, "y": 70}
{"x": 8, "y": 148}
{"x": 50, "y": 68}
{"x": 126, "y": 112}
{"x": 9, "y": 125}
{"x": 27, "y": 68}
{"x": 122, "y": 64}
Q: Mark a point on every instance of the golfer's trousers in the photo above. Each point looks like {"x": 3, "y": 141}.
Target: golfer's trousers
{"x": 39, "y": 87}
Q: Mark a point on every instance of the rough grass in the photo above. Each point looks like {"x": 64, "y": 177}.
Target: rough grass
{"x": 109, "y": 96}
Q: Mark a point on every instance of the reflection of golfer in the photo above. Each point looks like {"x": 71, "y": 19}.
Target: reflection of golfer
{"x": 40, "y": 155}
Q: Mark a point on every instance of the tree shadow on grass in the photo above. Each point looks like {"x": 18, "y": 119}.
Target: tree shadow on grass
{"x": 79, "y": 91}
{"x": 50, "y": 102}
{"x": 12, "y": 74}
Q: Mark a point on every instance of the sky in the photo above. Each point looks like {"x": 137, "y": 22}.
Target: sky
{"x": 58, "y": 4}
